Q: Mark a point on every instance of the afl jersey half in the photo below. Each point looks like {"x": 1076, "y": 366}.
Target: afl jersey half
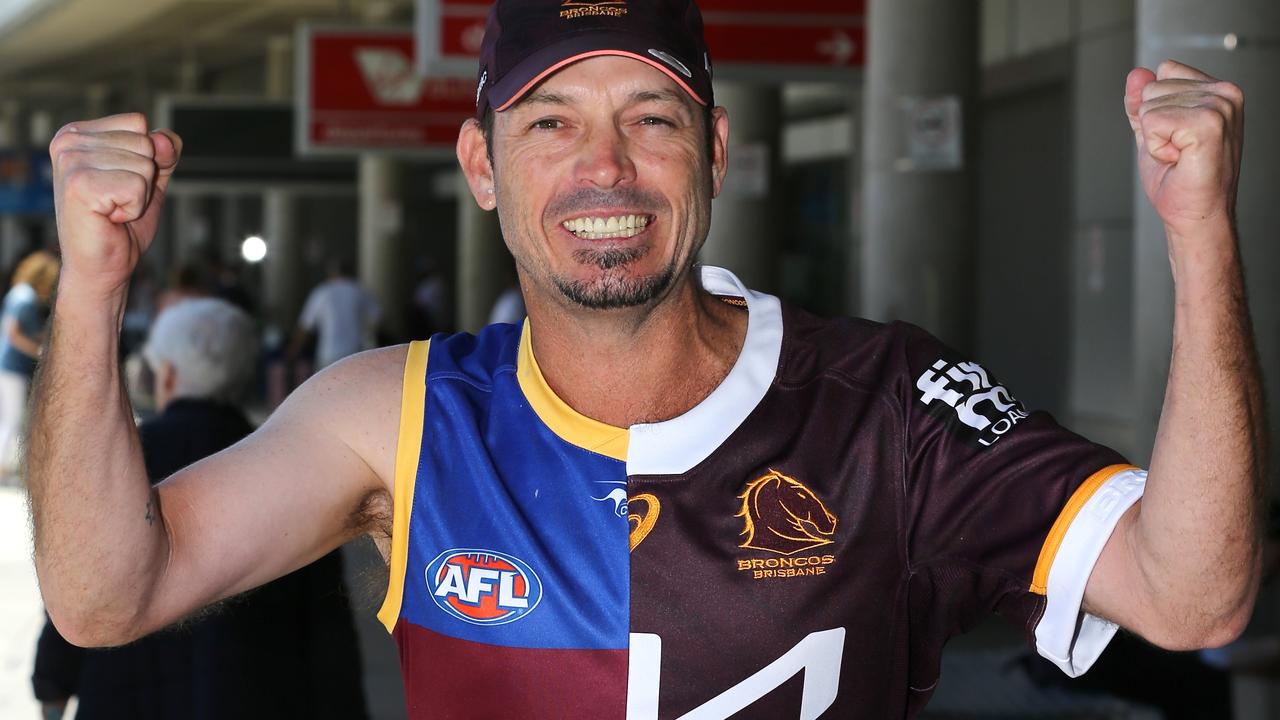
{"x": 800, "y": 544}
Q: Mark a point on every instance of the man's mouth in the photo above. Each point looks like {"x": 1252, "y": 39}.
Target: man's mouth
{"x": 604, "y": 228}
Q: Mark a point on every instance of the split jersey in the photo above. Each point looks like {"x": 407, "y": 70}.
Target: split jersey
{"x": 802, "y": 543}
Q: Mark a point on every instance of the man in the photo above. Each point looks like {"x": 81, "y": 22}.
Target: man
{"x": 665, "y": 494}
{"x": 257, "y": 657}
{"x": 341, "y": 314}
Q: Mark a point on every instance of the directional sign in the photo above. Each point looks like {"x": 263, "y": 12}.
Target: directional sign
{"x": 788, "y": 34}
{"x": 357, "y": 90}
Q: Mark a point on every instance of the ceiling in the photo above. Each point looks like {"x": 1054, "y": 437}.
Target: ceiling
{"x": 63, "y": 47}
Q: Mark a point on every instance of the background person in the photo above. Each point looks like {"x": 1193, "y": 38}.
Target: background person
{"x": 341, "y": 314}
{"x": 22, "y": 321}
{"x": 287, "y": 649}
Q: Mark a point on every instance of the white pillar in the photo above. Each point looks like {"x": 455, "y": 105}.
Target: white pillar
{"x": 1229, "y": 39}
{"x": 481, "y": 258}
{"x": 917, "y": 253}
{"x": 11, "y": 135}
{"x": 279, "y": 70}
{"x": 13, "y": 241}
{"x": 1187, "y": 29}
{"x": 746, "y": 223}
{"x": 189, "y": 228}
{"x": 383, "y": 268}
{"x": 284, "y": 265}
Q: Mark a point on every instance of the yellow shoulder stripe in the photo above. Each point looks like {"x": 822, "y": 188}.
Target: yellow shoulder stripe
{"x": 1040, "y": 578}
{"x": 570, "y": 425}
{"x": 413, "y": 400}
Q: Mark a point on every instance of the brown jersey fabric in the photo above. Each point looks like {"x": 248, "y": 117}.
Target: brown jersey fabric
{"x": 883, "y": 496}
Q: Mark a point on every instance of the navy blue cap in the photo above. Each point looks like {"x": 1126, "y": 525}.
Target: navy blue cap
{"x": 527, "y": 40}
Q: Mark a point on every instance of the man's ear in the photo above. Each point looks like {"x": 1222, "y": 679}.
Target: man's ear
{"x": 473, "y": 157}
{"x": 719, "y": 148}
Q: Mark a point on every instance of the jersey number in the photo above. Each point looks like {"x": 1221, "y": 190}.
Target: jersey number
{"x": 818, "y": 655}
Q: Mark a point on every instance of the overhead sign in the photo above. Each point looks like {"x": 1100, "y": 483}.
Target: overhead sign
{"x": 789, "y": 34}
{"x": 357, "y": 90}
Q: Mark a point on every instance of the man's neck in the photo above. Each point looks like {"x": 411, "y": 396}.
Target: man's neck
{"x": 639, "y": 365}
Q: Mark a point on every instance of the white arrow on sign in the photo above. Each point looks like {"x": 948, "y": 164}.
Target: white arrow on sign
{"x": 840, "y": 47}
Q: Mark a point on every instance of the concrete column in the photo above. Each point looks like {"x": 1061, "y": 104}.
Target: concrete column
{"x": 382, "y": 253}
{"x": 746, "y": 223}
{"x": 14, "y": 241}
{"x": 284, "y": 287}
{"x": 1100, "y": 392}
{"x": 96, "y": 100}
{"x": 1235, "y": 40}
{"x": 481, "y": 258}
{"x": 11, "y": 130}
{"x": 188, "y": 228}
{"x": 917, "y": 245}
{"x": 279, "y": 70}
{"x": 1197, "y": 33}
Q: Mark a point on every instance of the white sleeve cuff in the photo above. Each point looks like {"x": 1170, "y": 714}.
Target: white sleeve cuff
{"x": 1068, "y": 638}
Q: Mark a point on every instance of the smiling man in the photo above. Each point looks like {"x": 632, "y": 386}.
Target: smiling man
{"x": 664, "y": 495}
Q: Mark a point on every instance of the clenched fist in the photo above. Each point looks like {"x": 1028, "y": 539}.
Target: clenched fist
{"x": 1189, "y": 128}
{"x": 109, "y": 180}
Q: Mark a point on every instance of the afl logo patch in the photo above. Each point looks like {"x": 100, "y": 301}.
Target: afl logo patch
{"x": 483, "y": 587}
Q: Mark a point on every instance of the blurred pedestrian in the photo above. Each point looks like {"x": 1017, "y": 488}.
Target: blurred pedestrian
{"x": 287, "y": 649}
{"x": 22, "y": 321}
{"x": 341, "y": 314}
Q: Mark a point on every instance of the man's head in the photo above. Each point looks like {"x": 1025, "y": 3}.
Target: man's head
{"x": 599, "y": 146}
{"x": 201, "y": 349}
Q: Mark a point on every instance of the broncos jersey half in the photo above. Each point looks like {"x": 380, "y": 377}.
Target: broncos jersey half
{"x": 802, "y": 543}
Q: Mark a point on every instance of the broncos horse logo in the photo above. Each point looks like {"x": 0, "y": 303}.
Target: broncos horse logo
{"x": 784, "y": 516}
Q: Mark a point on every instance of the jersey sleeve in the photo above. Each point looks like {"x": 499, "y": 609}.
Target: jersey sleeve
{"x": 1007, "y": 511}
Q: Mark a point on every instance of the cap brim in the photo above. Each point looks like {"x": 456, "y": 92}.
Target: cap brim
{"x": 537, "y": 67}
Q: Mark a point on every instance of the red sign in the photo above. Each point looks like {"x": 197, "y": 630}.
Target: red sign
{"x": 361, "y": 91}
{"x": 786, "y": 33}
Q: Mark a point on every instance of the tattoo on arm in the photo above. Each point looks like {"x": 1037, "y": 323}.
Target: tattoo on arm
{"x": 151, "y": 511}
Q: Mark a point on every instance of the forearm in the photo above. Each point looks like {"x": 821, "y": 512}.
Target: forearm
{"x": 100, "y": 542}
{"x": 1197, "y": 534}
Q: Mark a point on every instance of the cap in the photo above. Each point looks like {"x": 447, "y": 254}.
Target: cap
{"x": 527, "y": 40}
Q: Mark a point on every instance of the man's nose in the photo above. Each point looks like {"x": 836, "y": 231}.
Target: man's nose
{"x": 605, "y": 161}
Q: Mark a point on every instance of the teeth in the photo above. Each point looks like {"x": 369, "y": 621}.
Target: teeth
{"x": 599, "y": 228}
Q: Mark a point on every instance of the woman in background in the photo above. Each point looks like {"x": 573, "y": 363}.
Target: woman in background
{"x": 22, "y": 321}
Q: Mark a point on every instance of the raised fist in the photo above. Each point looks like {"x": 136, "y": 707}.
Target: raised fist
{"x": 1189, "y": 128}
{"x": 109, "y": 180}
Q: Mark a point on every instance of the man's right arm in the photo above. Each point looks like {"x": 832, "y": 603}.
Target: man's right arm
{"x": 117, "y": 558}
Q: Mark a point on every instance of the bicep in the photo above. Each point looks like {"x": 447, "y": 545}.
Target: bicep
{"x": 1115, "y": 589}
{"x": 292, "y": 491}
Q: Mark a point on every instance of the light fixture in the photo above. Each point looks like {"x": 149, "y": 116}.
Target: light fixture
{"x": 253, "y": 249}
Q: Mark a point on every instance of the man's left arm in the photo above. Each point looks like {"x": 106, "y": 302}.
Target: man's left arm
{"x": 1182, "y": 566}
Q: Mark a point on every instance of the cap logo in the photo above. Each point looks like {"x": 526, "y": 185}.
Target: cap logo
{"x": 674, "y": 63}
{"x": 571, "y": 9}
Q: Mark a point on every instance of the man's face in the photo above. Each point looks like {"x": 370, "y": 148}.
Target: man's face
{"x": 603, "y": 183}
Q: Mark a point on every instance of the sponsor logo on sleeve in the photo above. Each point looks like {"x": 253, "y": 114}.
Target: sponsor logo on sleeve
{"x": 483, "y": 587}
{"x": 782, "y": 516}
{"x": 978, "y": 400}
{"x": 571, "y": 9}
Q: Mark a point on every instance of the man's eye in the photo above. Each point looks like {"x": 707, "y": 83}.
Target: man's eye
{"x": 653, "y": 120}
{"x": 546, "y": 124}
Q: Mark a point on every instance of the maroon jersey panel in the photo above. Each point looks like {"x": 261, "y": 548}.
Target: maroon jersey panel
{"x": 470, "y": 680}
{"x": 821, "y": 557}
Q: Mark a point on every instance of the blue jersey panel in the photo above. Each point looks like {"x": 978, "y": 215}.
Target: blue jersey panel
{"x": 517, "y": 537}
